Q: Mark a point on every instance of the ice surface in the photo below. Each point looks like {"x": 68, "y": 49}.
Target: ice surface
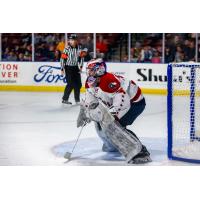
{"x": 190, "y": 151}
{"x": 36, "y": 129}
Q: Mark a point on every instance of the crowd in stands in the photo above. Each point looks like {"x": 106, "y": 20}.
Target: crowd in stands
{"x": 48, "y": 46}
{"x": 112, "y": 46}
{"x": 16, "y": 47}
{"x": 180, "y": 47}
{"x": 86, "y": 41}
{"x": 145, "y": 48}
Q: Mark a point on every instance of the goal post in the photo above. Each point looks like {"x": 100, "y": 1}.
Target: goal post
{"x": 183, "y": 112}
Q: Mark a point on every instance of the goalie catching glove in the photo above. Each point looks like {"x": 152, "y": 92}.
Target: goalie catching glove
{"x": 88, "y": 114}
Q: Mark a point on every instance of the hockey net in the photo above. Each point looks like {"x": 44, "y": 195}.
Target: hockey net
{"x": 184, "y": 112}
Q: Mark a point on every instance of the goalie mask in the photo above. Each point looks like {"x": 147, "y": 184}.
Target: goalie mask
{"x": 96, "y": 68}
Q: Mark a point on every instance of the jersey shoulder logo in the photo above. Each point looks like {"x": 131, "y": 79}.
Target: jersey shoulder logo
{"x": 112, "y": 85}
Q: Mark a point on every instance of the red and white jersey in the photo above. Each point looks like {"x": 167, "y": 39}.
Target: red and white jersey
{"x": 115, "y": 91}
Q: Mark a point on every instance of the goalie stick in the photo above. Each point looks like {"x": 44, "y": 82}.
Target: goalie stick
{"x": 69, "y": 154}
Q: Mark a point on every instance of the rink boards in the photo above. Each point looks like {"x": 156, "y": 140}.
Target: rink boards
{"x": 46, "y": 76}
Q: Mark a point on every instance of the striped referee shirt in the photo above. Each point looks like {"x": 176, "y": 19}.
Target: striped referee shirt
{"x": 71, "y": 57}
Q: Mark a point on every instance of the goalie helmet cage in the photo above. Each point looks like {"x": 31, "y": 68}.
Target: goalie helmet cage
{"x": 183, "y": 112}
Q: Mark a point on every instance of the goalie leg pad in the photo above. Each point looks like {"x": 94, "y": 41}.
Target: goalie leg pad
{"x": 125, "y": 142}
{"x": 107, "y": 144}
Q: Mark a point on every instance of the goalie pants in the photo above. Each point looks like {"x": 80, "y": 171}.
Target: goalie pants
{"x": 135, "y": 110}
{"x": 73, "y": 78}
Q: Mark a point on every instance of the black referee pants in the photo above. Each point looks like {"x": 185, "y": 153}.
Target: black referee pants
{"x": 73, "y": 78}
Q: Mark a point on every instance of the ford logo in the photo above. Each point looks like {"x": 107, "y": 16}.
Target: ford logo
{"x": 49, "y": 74}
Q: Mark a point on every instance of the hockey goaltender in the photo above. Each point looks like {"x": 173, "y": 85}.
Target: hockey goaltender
{"x": 113, "y": 103}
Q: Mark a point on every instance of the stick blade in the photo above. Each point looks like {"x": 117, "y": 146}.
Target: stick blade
{"x": 67, "y": 155}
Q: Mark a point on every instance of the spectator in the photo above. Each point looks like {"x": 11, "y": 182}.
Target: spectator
{"x": 145, "y": 54}
{"x": 21, "y": 57}
{"x": 125, "y": 58}
{"x": 29, "y": 49}
{"x": 88, "y": 44}
{"x": 5, "y": 54}
{"x": 135, "y": 52}
{"x": 61, "y": 45}
{"x": 12, "y": 56}
{"x": 57, "y": 56}
{"x": 99, "y": 54}
{"x": 191, "y": 52}
{"x": 186, "y": 49}
{"x": 27, "y": 56}
{"x": 41, "y": 52}
{"x": 179, "y": 56}
{"x": 169, "y": 56}
{"x": 177, "y": 40}
{"x": 156, "y": 58}
{"x": 51, "y": 53}
{"x": 101, "y": 46}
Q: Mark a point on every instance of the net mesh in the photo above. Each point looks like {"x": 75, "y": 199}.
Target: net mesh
{"x": 186, "y": 111}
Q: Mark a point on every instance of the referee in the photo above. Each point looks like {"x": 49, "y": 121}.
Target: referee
{"x": 72, "y": 60}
